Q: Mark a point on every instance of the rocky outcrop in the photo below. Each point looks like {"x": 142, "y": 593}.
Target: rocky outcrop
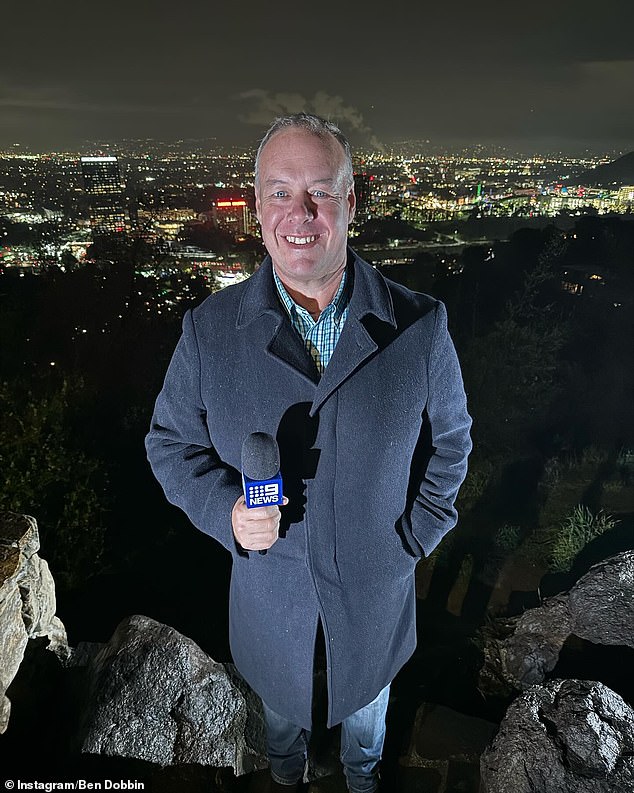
{"x": 27, "y": 601}
{"x": 568, "y": 736}
{"x": 154, "y": 695}
{"x": 521, "y": 651}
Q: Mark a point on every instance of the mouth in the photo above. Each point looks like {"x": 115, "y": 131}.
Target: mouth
{"x": 301, "y": 240}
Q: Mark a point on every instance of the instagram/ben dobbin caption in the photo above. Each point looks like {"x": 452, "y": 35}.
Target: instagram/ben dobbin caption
{"x": 80, "y": 784}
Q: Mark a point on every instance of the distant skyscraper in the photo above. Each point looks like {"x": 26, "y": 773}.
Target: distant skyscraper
{"x": 232, "y": 214}
{"x": 362, "y": 193}
{"x": 230, "y": 209}
{"x": 104, "y": 188}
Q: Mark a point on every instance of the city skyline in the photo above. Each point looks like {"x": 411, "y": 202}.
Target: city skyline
{"x": 540, "y": 79}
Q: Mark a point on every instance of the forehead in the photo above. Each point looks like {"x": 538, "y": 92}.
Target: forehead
{"x": 298, "y": 152}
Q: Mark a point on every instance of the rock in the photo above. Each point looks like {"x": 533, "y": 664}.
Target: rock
{"x": 27, "y": 601}
{"x": 602, "y": 602}
{"x": 448, "y": 744}
{"x": 568, "y": 736}
{"x": 521, "y": 651}
{"x": 154, "y": 695}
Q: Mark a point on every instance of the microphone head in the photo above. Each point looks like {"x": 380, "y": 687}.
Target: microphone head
{"x": 260, "y": 456}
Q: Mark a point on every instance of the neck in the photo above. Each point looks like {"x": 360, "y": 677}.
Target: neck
{"x": 315, "y": 297}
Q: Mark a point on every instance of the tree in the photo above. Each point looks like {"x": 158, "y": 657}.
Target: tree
{"x": 44, "y": 474}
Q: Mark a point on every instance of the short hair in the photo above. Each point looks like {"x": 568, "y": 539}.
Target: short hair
{"x": 317, "y": 126}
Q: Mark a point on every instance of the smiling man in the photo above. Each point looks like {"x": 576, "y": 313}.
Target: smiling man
{"x": 304, "y": 200}
{"x": 358, "y": 380}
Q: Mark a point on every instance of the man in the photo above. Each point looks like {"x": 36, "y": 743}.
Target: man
{"x": 358, "y": 380}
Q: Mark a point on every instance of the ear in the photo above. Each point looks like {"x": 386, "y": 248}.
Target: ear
{"x": 352, "y": 204}
{"x": 257, "y": 205}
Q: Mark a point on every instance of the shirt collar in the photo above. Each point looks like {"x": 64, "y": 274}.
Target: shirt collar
{"x": 336, "y": 307}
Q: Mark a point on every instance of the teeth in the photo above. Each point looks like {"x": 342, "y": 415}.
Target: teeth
{"x": 301, "y": 240}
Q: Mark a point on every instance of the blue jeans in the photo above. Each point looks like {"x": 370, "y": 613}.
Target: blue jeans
{"x": 362, "y": 737}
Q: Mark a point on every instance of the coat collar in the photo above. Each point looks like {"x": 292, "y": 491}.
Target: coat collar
{"x": 370, "y": 296}
{"x": 370, "y": 293}
{"x": 259, "y": 296}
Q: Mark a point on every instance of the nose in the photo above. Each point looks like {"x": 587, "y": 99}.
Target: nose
{"x": 302, "y": 208}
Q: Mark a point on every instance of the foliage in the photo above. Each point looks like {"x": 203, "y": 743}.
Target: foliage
{"x": 477, "y": 480}
{"x": 594, "y": 455}
{"x": 579, "y": 528}
{"x": 552, "y": 472}
{"x": 508, "y": 538}
{"x": 513, "y": 373}
{"x": 43, "y": 474}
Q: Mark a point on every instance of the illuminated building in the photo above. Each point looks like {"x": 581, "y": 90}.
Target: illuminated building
{"x": 231, "y": 213}
{"x": 104, "y": 187}
{"x": 625, "y": 197}
{"x": 362, "y": 194}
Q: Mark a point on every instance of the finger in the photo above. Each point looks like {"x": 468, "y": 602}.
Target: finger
{"x": 258, "y": 540}
{"x": 261, "y": 512}
{"x": 258, "y": 546}
{"x": 260, "y": 522}
{"x": 263, "y": 526}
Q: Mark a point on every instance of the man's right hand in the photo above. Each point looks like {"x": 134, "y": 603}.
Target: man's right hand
{"x": 255, "y": 529}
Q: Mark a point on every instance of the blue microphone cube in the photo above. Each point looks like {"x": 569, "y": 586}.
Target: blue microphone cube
{"x": 262, "y": 493}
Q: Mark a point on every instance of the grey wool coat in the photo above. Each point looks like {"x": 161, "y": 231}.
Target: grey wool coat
{"x": 373, "y": 453}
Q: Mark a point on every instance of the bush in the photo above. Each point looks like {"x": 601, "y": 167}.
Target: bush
{"x": 508, "y": 538}
{"x": 577, "y": 530}
{"x": 43, "y": 473}
{"x": 478, "y": 478}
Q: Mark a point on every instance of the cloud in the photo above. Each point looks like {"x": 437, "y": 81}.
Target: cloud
{"x": 266, "y": 105}
{"x": 83, "y": 107}
{"x": 57, "y": 98}
{"x": 614, "y": 73}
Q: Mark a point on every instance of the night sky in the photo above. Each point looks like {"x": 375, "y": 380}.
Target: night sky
{"x": 535, "y": 76}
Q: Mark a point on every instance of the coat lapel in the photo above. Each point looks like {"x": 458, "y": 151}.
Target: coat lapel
{"x": 279, "y": 338}
{"x": 287, "y": 347}
{"x": 371, "y": 314}
{"x": 369, "y": 323}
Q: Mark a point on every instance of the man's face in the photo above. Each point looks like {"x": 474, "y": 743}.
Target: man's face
{"x": 304, "y": 207}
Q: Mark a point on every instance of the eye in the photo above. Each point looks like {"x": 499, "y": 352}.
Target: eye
{"x": 279, "y": 194}
{"x": 319, "y": 194}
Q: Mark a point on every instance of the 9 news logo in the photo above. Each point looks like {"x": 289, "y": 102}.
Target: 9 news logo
{"x": 259, "y": 494}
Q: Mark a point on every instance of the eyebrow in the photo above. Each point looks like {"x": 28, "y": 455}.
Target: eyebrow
{"x": 273, "y": 182}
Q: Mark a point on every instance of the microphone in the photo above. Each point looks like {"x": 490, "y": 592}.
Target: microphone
{"x": 261, "y": 478}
